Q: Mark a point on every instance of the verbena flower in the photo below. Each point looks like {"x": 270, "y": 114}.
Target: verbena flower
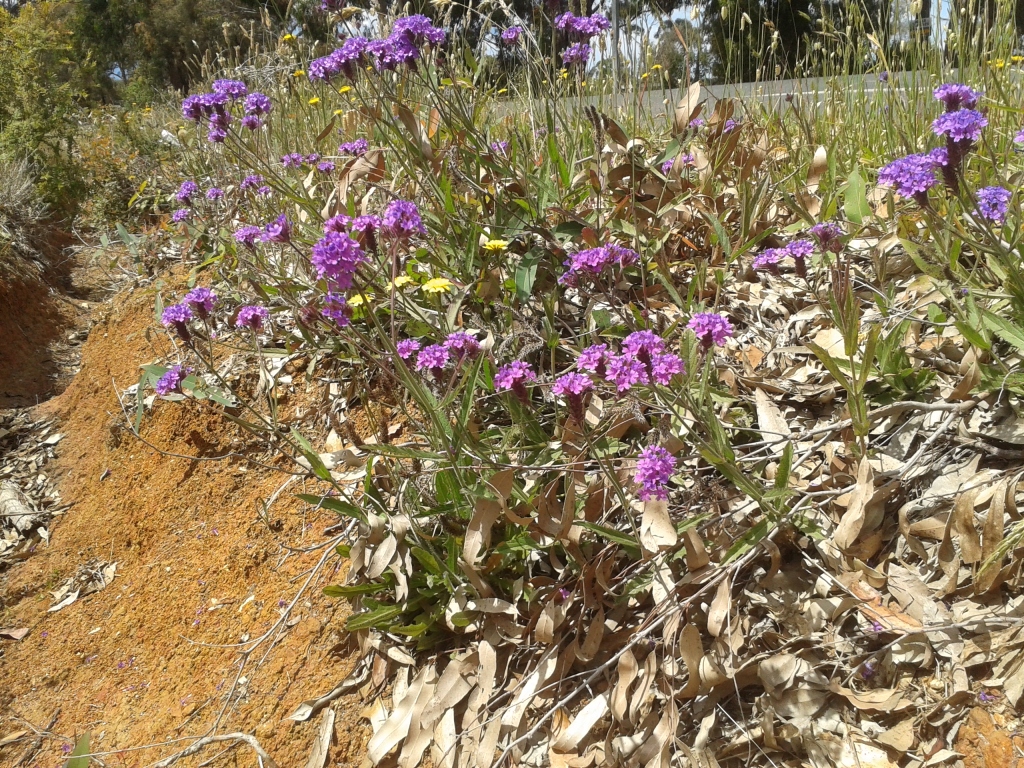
{"x": 513, "y": 377}
{"x": 768, "y": 260}
{"x": 883, "y": 76}
{"x": 499, "y": 147}
{"x": 574, "y": 387}
{"x": 192, "y": 108}
{"x": 594, "y": 358}
{"x": 654, "y": 470}
{"x": 407, "y": 348}
{"x": 170, "y": 381}
{"x": 214, "y": 193}
{"x": 593, "y": 261}
{"x": 993, "y": 203}
{"x": 576, "y": 54}
{"x": 250, "y": 182}
{"x": 697, "y": 123}
{"x": 234, "y": 89}
{"x": 729, "y": 126}
{"x": 265, "y": 191}
{"x": 252, "y": 122}
{"x": 248, "y": 235}
{"x": 311, "y": 159}
{"x": 626, "y": 371}
{"x": 186, "y": 191}
{"x": 336, "y": 257}
{"x": 462, "y": 345}
{"x": 962, "y": 126}
{"x": 293, "y": 160}
{"x": 357, "y": 147}
{"x": 800, "y": 249}
{"x": 365, "y": 228}
{"x": 1019, "y": 137}
{"x": 711, "y": 328}
{"x": 339, "y": 223}
{"x": 216, "y": 135}
{"x": 201, "y": 301}
{"x": 666, "y": 167}
{"x": 402, "y": 220}
{"x": 511, "y": 35}
{"x": 277, "y": 231}
{"x": 325, "y": 166}
{"x": 252, "y": 316}
{"x": 665, "y": 367}
{"x": 177, "y": 316}
{"x": 828, "y": 236}
{"x": 258, "y": 104}
{"x": 582, "y": 27}
{"x": 180, "y": 215}
{"x": 955, "y": 96}
{"x": 419, "y": 30}
{"x": 433, "y": 358}
{"x": 911, "y": 176}
{"x": 336, "y": 309}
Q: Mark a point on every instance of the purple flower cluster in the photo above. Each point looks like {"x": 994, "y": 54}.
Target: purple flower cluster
{"x": 582, "y": 27}
{"x": 956, "y": 96}
{"x": 325, "y": 166}
{"x": 711, "y": 328}
{"x": 177, "y": 316}
{"x": 668, "y": 165}
{"x": 594, "y": 261}
{"x": 798, "y": 250}
{"x": 511, "y": 35}
{"x": 829, "y": 236}
{"x": 402, "y": 46}
{"x": 292, "y": 160}
{"x": 462, "y": 346}
{"x": 248, "y": 235}
{"x": 336, "y": 257}
{"x": 513, "y": 377}
{"x": 962, "y": 126}
{"x": 433, "y": 358}
{"x": 214, "y": 193}
{"x": 257, "y": 104}
{"x": 201, "y": 301}
{"x": 335, "y": 308}
{"x": 574, "y": 387}
{"x": 277, "y": 231}
{"x": 180, "y": 215}
{"x": 402, "y": 220}
{"x": 344, "y": 60}
{"x": 406, "y": 348}
{"x": 233, "y": 89}
{"x": 654, "y": 470}
{"x": 644, "y": 360}
{"x": 499, "y": 147}
{"x": 213, "y": 106}
{"x": 911, "y": 176}
{"x": 251, "y": 182}
{"x": 186, "y": 191}
{"x": 356, "y": 148}
{"x": 252, "y": 316}
{"x": 993, "y": 203}
{"x": 170, "y": 381}
{"x": 576, "y": 54}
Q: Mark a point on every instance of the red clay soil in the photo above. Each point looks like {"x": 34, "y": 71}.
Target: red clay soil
{"x": 129, "y": 663}
{"x": 984, "y": 742}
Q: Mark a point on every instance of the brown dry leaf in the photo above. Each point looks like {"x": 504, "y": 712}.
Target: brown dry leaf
{"x": 656, "y": 529}
{"x": 416, "y": 131}
{"x": 852, "y": 522}
{"x": 626, "y": 672}
{"x": 873, "y": 610}
{"x": 478, "y": 534}
{"x": 396, "y": 727}
{"x": 719, "y": 610}
{"x": 14, "y": 634}
{"x": 12, "y": 737}
{"x": 322, "y": 742}
{"x": 585, "y": 720}
{"x": 963, "y": 524}
{"x": 992, "y": 536}
{"x": 899, "y": 737}
{"x": 692, "y": 650}
{"x": 874, "y": 700}
{"x": 688, "y": 108}
{"x": 819, "y": 164}
{"x": 773, "y": 426}
{"x": 697, "y": 557}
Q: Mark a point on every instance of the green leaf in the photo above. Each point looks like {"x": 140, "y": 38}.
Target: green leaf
{"x": 380, "y": 618}
{"x": 856, "y": 201}
{"x": 614, "y": 536}
{"x": 1004, "y": 329}
{"x": 79, "y": 755}
{"x": 352, "y": 590}
{"x": 402, "y": 452}
{"x": 342, "y": 507}
{"x": 312, "y": 456}
{"x": 785, "y": 466}
{"x": 831, "y": 364}
{"x": 749, "y": 539}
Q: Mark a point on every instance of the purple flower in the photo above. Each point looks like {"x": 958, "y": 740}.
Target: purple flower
{"x": 402, "y": 220}
{"x": 511, "y": 35}
{"x": 574, "y": 387}
{"x": 325, "y": 166}
{"x": 323, "y": 69}
{"x": 768, "y": 260}
{"x": 407, "y": 348}
{"x": 964, "y": 125}
{"x": 277, "y": 231}
{"x": 828, "y": 235}
{"x": 576, "y": 54}
{"x": 665, "y": 367}
{"x": 654, "y": 470}
{"x": 177, "y": 316}
{"x": 593, "y": 261}
{"x": 257, "y": 104}
{"x": 418, "y": 30}
{"x": 252, "y": 316}
{"x": 911, "y": 176}
{"x": 264, "y": 191}
{"x": 180, "y": 215}
{"x": 339, "y": 223}
{"x": 643, "y": 343}
{"x": 595, "y": 359}
{"x": 730, "y": 126}
{"x": 800, "y": 249}
{"x": 347, "y": 58}
{"x": 993, "y": 202}
{"x": 170, "y": 381}
{"x": 499, "y": 147}
{"x": 186, "y": 191}
{"x": 250, "y": 182}
{"x": 433, "y": 358}
{"x": 214, "y": 193}
{"x": 666, "y": 167}
{"x": 336, "y": 309}
{"x": 582, "y": 27}
{"x": 697, "y": 123}
{"x": 711, "y": 328}
{"x": 883, "y": 76}
{"x": 294, "y": 160}
{"x": 357, "y": 147}
{"x": 234, "y": 89}
{"x": 311, "y": 159}
{"x": 216, "y": 135}
{"x": 956, "y": 96}
{"x": 336, "y": 257}
{"x": 462, "y": 345}
{"x": 192, "y": 108}
{"x": 214, "y": 103}
{"x": 201, "y": 300}
{"x": 366, "y": 224}
{"x": 1019, "y": 137}
{"x": 513, "y": 377}
{"x": 248, "y": 235}
{"x": 252, "y": 122}
{"x": 625, "y": 372}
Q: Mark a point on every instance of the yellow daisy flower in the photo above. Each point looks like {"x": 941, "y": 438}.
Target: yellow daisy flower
{"x": 298, "y": 73}
{"x": 287, "y": 38}
{"x": 437, "y": 286}
{"x": 400, "y": 282}
{"x": 314, "y": 101}
{"x": 345, "y": 89}
{"x": 495, "y": 245}
{"x": 357, "y": 300}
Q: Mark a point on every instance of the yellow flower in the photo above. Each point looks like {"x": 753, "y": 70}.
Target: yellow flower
{"x": 495, "y": 245}
{"x": 314, "y": 101}
{"x": 656, "y": 67}
{"x": 298, "y": 73}
{"x": 503, "y": 90}
{"x": 645, "y": 75}
{"x": 1017, "y": 59}
{"x": 563, "y": 74}
{"x": 357, "y": 300}
{"x": 345, "y": 89}
{"x": 287, "y": 38}
{"x": 339, "y": 112}
{"x": 997, "y": 64}
{"x": 437, "y": 285}
{"x": 400, "y": 282}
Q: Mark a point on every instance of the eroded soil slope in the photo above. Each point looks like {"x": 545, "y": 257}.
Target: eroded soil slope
{"x": 196, "y": 567}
